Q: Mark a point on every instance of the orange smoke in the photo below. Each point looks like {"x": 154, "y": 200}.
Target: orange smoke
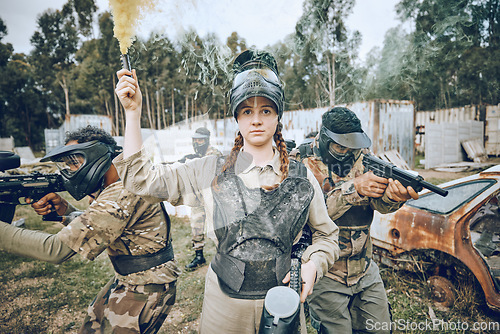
{"x": 126, "y": 16}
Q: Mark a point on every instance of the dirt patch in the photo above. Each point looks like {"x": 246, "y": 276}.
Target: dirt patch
{"x": 175, "y": 322}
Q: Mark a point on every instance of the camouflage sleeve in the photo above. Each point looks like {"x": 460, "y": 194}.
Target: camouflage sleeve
{"x": 101, "y": 224}
{"x": 213, "y": 151}
{"x": 342, "y": 198}
{"x": 385, "y": 204}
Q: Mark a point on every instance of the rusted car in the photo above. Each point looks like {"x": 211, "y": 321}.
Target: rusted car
{"x": 447, "y": 237}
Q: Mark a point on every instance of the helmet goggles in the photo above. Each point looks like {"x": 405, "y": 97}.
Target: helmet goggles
{"x": 256, "y": 73}
{"x": 70, "y": 164}
{"x": 257, "y": 82}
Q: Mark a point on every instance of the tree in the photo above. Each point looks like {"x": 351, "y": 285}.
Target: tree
{"x": 323, "y": 41}
{"x": 85, "y": 10}
{"x": 22, "y": 110}
{"x": 6, "y": 51}
{"x": 393, "y": 73}
{"x": 236, "y": 44}
{"x": 55, "y": 43}
{"x": 455, "y": 48}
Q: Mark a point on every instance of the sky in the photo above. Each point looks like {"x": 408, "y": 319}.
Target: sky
{"x": 259, "y": 27}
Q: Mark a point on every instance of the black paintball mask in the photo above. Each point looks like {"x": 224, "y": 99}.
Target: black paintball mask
{"x": 256, "y": 74}
{"x": 201, "y": 141}
{"x": 83, "y": 166}
{"x": 346, "y": 132}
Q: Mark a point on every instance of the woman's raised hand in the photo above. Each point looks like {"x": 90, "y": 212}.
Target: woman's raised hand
{"x": 129, "y": 93}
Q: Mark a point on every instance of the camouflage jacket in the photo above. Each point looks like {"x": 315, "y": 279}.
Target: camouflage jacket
{"x": 341, "y": 196}
{"x": 123, "y": 224}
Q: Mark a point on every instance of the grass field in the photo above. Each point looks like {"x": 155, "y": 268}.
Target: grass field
{"x": 38, "y": 297}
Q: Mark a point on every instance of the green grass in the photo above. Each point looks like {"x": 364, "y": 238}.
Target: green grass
{"x": 39, "y": 297}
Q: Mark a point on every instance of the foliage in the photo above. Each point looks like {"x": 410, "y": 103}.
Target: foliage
{"x": 450, "y": 57}
{"x": 327, "y": 50}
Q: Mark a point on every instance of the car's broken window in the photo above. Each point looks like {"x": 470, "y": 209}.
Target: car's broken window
{"x": 458, "y": 195}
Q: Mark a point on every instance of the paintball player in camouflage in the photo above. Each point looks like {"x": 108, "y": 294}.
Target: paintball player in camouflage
{"x": 352, "y": 292}
{"x": 202, "y": 147}
{"x": 135, "y": 233}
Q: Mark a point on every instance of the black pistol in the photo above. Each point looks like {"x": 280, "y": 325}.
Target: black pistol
{"x": 387, "y": 170}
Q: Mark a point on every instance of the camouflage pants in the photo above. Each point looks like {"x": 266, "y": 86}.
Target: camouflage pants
{"x": 198, "y": 227}
{"x": 125, "y": 308}
{"x": 337, "y": 308}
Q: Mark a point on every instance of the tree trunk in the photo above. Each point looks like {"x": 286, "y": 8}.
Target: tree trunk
{"x": 173, "y": 107}
{"x": 65, "y": 88}
{"x": 318, "y": 97}
{"x": 106, "y": 106}
{"x": 122, "y": 123}
{"x": 148, "y": 108}
{"x": 192, "y": 109}
{"x": 334, "y": 77}
{"x": 164, "y": 117}
{"x": 331, "y": 79}
{"x": 28, "y": 128}
{"x": 187, "y": 109}
{"x": 158, "y": 110}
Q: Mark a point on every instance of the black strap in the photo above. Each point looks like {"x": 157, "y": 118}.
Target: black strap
{"x": 167, "y": 217}
{"x": 129, "y": 264}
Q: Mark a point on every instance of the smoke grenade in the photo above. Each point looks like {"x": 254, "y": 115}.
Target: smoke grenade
{"x": 126, "y": 62}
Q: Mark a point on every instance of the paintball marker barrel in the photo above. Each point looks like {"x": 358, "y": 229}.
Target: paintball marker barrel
{"x": 387, "y": 170}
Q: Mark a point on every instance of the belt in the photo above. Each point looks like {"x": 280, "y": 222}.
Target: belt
{"x": 129, "y": 264}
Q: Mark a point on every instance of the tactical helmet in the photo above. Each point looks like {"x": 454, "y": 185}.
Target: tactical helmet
{"x": 82, "y": 166}
{"x": 256, "y": 74}
{"x": 340, "y": 125}
{"x": 201, "y": 133}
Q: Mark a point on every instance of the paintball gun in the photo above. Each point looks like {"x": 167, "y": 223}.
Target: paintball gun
{"x": 387, "y": 170}
{"x": 34, "y": 186}
{"x": 281, "y": 312}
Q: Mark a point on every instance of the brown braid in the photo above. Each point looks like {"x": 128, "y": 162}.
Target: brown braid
{"x": 281, "y": 145}
{"x": 231, "y": 159}
{"x": 284, "y": 161}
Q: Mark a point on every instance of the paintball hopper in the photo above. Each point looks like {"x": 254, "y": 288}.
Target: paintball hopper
{"x": 280, "y": 314}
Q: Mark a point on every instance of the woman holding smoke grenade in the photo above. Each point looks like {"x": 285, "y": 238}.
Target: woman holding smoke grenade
{"x": 257, "y": 201}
